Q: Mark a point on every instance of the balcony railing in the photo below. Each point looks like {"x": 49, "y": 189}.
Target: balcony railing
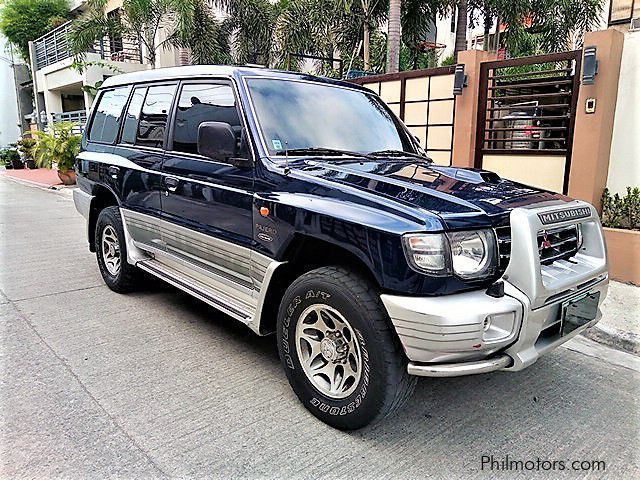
{"x": 79, "y": 117}
{"x": 55, "y": 46}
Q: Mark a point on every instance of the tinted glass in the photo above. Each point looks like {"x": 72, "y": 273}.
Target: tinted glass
{"x": 133, "y": 115}
{"x": 106, "y": 120}
{"x": 153, "y": 119}
{"x": 307, "y": 115}
{"x": 202, "y": 103}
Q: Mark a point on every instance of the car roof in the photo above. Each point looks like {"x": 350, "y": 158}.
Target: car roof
{"x": 203, "y": 71}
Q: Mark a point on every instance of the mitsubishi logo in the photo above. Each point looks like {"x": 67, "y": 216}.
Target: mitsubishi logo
{"x": 545, "y": 241}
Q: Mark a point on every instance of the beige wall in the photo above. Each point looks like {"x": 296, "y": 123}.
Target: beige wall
{"x": 542, "y": 171}
{"x": 624, "y": 163}
{"x": 593, "y": 131}
{"x": 428, "y": 105}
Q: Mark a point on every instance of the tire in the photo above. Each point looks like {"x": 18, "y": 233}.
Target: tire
{"x": 109, "y": 229}
{"x": 362, "y": 395}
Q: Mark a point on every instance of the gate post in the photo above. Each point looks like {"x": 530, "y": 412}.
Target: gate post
{"x": 593, "y": 131}
{"x": 466, "y": 112}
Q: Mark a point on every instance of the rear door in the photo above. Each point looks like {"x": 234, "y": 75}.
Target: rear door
{"x": 207, "y": 203}
{"x": 140, "y": 149}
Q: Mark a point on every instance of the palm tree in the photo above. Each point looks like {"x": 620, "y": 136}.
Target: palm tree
{"x": 251, "y": 26}
{"x": 461, "y": 28}
{"x": 393, "y": 58}
{"x": 140, "y": 19}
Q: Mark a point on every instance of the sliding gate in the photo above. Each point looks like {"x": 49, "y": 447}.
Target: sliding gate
{"x": 526, "y": 116}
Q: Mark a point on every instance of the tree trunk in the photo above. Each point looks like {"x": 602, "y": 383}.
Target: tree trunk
{"x": 496, "y": 41}
{"x": 461, "y": 28}
{"x": 393, "y": 46}
{"x": 366, "y": 48}
{"x": 487, "y": 27}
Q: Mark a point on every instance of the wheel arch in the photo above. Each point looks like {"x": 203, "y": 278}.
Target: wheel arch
{"x": 103, "y": 197}
{"x": 301, "y": 256}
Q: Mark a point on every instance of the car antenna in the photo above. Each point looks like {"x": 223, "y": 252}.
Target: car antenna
{"x": 286, "y": 158}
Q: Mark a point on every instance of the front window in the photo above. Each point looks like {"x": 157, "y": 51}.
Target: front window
{"x": 295, "y": 115}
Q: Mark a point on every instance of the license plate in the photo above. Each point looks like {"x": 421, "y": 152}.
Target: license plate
{"x": 579, "y": 312}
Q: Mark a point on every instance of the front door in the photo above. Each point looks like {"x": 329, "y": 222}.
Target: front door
{"x": 206, "y": 203}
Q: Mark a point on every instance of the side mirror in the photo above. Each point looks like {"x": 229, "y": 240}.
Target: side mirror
{"x": 217, "y": 140}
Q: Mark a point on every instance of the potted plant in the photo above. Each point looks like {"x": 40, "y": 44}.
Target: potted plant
{"x": 10, "y": 158}
{"x": 26, "y": 146}
{"x": 57, "y": 148}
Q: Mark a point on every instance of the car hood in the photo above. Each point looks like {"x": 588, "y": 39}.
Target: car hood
{"x": 445, "y": 191}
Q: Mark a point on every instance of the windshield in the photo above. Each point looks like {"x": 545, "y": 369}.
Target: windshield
{"x": 296, "y": 115}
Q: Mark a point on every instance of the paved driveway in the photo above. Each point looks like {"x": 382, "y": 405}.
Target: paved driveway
{"x": 156, "y": 384}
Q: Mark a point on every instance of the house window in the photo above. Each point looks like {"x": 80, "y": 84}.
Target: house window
{"x": 454, "y": 17}
{"x": 622, "y": 11}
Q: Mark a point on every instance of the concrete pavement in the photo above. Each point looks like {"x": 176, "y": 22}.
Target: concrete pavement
{"x": 156, "y": 384}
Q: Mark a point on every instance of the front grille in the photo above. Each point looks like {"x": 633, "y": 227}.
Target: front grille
{"x": 558, "y": 243}
{"x": 504, "y": 247}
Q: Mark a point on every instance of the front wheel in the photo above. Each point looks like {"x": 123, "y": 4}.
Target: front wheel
{"x": 339, "y": 352}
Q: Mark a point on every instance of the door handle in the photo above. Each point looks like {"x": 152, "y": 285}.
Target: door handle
{"x": 171, "y": 183}
{"x": 113, "y": 172}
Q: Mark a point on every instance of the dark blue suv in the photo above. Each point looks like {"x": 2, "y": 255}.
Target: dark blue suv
{"x": 302, "y": 206}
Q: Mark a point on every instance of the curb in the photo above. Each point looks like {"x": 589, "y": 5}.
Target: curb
{"x": 63, "y": 189}
{"x": 612, "y": 337}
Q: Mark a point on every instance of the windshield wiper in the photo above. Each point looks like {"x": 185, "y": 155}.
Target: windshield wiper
{"x": 400, "y": 153}
{"x": 326, "y": 151}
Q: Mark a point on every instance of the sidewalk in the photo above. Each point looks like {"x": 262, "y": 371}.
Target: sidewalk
{"x": 620, "y": 324}
{"x": 42, "y": 177}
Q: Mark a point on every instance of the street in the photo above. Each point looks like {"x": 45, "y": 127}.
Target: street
{"x": 157, "y": 384}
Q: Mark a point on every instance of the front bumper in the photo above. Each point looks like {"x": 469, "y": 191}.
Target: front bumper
{"x": 472, "y": 332}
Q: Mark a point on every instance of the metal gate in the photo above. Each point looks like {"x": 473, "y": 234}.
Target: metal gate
{"x": 526, "y": 115}
{"x": 424, "y": 101}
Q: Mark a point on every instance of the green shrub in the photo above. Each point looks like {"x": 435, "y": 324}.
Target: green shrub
{"x": 9, "y": 156}
{"x": 621, "y": 211}
{"x": 447, "y": 61}
{"x": 58, "y": 147}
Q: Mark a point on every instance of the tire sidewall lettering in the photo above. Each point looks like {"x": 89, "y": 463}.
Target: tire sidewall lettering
{"x": 339, "y": 408}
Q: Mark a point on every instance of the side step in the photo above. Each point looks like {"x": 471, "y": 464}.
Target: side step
{"x": 197, "y": 289}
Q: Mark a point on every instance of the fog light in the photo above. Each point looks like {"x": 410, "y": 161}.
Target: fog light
{"x": 498, "y": 327}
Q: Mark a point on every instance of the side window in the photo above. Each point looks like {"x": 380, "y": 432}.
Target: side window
{"x": 203, "y": 103}
{"x": 130, "y": 127}
{"x": 106, "y": 120}
{"x": 153, "y": 119}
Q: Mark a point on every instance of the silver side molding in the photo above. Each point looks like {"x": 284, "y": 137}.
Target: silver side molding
{"x": 237, "y": 288}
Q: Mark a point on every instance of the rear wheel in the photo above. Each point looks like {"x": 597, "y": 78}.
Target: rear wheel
{"x": 339, "y": 352}
{"x": 111, "y": 252}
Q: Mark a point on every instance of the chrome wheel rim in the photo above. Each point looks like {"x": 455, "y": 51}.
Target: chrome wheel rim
{"x": 111, "y": 250}
{"x": 328, "y": 350}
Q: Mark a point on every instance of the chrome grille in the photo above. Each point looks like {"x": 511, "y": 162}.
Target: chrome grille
{"x": 558, "y": 243}
{"x": 503, "y": 235}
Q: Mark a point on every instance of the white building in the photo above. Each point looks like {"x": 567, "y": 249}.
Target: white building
{"x": 624, "y": 163}
{"x": 10, "y": 118}
{"x": 59, "y": 86}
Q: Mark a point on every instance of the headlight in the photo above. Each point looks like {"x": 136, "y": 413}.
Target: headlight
{"x": 473, "y": 253}
{"x": 470, "y": 254}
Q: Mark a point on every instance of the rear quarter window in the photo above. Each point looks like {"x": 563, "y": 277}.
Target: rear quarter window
{"x": 108, "y": 115}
